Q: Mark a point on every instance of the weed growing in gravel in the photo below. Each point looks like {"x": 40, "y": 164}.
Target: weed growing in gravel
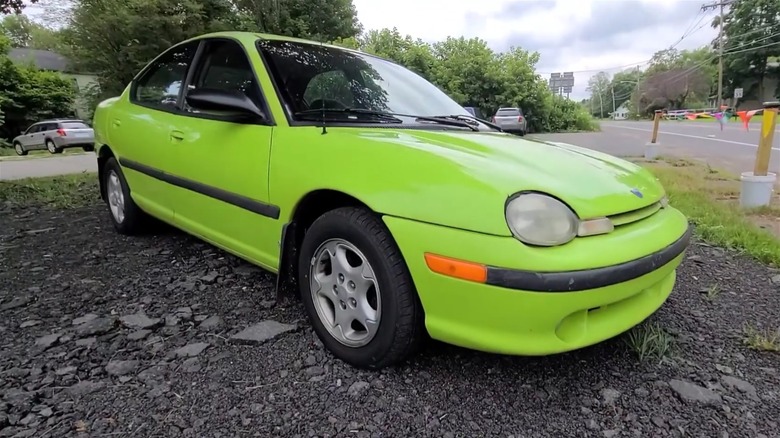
{"x": 713, "y": 291}
{"x": 650, "y": 341}
{"x": 709, "y": 198}
{"x": 67, "y": 191}
{"x": 764, "y": 340}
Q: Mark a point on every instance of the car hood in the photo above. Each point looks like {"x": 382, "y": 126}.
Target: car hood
{"x": 463, "y": 179}
{"x": 592, "y": 183}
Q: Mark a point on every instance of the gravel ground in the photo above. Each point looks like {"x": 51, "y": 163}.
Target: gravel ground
{"x": 103, "y": 335}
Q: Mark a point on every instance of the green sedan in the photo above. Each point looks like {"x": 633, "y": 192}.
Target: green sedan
{"x": 390, "y": 210}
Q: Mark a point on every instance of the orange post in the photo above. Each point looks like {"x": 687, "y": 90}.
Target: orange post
{"x": 656, "y": 121}
{"x": 768, "y": 122}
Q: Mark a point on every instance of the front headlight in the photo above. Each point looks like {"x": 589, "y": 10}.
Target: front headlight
{"x": 538, "y": 219}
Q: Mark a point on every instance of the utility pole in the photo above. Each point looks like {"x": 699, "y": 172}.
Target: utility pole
{"x": 714, "y": 5}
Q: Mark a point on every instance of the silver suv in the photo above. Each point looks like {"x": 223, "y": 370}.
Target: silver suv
{"x": 55, "y": 135}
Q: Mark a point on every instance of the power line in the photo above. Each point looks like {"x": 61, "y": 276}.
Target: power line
{"x": 708, "y": 60}
{"x": 688, "y": 32}
{"x": 731, "y": 51}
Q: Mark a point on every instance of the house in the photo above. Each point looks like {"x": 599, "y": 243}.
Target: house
{"x": 48, "y": 60}
{"x": 621, "y": 113}
{"x": 751, "y": 100}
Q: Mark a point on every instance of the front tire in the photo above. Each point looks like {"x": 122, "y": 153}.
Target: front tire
{"x": 126, "y": 216}
{"x": 357, "y": 290}
{"x": 19, "y": 149}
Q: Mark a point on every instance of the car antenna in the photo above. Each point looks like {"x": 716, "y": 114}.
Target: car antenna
{"x": 322, "y": 93}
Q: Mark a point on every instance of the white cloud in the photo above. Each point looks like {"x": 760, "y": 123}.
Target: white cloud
{"x": 583, "y": 36}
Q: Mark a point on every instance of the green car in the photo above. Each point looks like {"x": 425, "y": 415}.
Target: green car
{"x": 391, "y": 211}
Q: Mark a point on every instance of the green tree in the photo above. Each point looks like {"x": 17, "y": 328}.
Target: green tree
{"x": 415, "y": 55}
{"x": 24, "y": 32}
{"x": 623, "y": 85}
{"x": 600, "y": 88}
{"x": 116, "y": 38}
{"x": 470, "y": 72}
{"x": 522, "y": 87}
{"x": 751, "y": 27}
{"x": 320, "y": 20}
{"x": 28, "y": 94}
{"x": 13, "y": 6}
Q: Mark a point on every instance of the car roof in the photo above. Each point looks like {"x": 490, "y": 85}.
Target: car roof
{"x": 239, "y": 35}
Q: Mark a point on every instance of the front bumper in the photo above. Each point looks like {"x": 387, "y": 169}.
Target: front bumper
{"x": 537, "y": 301}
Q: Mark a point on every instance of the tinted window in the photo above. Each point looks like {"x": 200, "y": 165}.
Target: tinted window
{"x": 225, "y": 66}
{"x": 73, "y": 125}
{"x": 33, "y": 129}
{"x": 311, "y": 76}
{"x": 160, "y": 85}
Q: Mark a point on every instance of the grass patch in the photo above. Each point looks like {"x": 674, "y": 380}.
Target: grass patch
{"x": 66, "y": 191}
{"x": 762, "y": 340}
{"x": 712, "y": 292}
{"x": 8, "y": 152}
{"x": 710, "y": 199}
{"x": 650, "y": 341}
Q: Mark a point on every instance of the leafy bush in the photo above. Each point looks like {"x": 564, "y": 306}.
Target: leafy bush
{"x": 28, "y": 95}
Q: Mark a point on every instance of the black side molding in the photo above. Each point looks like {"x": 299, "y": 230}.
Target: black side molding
{"x": 240, "y": 201}
{"x": 590, "y": 278}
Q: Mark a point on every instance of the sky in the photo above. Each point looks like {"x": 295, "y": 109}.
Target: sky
{"x": 583, "y": 36}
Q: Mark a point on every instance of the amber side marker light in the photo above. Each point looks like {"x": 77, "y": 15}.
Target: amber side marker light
{"x": 456, "y": 268}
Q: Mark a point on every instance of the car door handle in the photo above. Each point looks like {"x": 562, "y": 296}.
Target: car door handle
{"x": 116, "y": 123}
{"x": 177, "y": 135}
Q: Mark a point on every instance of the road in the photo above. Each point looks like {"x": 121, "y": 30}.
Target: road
{"x": 18, "y": 167}
{"x": 732, "y": 148}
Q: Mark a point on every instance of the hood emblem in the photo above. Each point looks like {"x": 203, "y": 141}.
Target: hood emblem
{"x": 637, "y": 193}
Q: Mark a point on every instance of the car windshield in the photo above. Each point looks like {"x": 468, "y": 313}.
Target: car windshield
{"x": 313, "y": 77}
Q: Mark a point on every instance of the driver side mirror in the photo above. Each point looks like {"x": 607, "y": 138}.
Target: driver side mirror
{"x": 206, "y": 99}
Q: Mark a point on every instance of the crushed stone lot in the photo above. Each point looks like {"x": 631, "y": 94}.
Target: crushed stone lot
{"x": 163, "y": 335}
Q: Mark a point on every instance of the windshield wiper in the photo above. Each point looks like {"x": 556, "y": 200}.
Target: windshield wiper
{"x": 465, "y": 117}
{"x": 447, "y": 120}
{"x": 321, "y": 111}
{"x": 391, "y": 117}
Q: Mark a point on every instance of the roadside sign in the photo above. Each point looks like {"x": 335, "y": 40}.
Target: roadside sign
{"x": 738, "y": 93}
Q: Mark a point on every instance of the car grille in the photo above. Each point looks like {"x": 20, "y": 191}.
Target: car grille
{"x": 635, "y": 215}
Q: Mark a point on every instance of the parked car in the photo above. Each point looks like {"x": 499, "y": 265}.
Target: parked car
{"x": 511, "y": 120}
{"x": 383, "y": 203}
{"x": 55, "y": 135}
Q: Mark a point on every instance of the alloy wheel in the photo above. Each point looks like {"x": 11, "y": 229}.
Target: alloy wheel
{"x": 345, "y": 292}
{"x": 116, "y": 197}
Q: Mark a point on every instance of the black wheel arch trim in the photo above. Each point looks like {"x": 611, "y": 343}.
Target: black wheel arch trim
{"x": 240, "y": 201}
{"x": 572, "y": 281}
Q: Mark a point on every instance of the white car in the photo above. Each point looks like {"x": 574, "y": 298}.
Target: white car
{"x": 55, "y": 135}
